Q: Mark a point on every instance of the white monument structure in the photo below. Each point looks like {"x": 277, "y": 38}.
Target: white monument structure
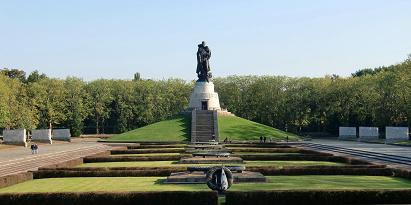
{"x": 41, "y": 135}
{"x": 347, "y": 133}
{"x": 15, "y": 137}
{"x": 393, "y": 134}
{"x": 62, "y": 134}
{"x": 368, "y": 133}
{"x": 204, "y": 97}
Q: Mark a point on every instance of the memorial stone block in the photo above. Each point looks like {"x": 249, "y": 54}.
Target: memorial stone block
{"x": 396, "y": 134}
{"x": 16, "y": 137}
{"x": 62, "y": 134}
{"x": 347, "y": 133}
{"x": 368, "y": 133}
{"x": 41, "y": 135}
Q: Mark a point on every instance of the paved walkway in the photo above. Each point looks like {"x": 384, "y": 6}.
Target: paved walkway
{"x": 19, "y": 159}
{"x": 368, "y": 151}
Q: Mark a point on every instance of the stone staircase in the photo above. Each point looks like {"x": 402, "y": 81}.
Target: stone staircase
{"x": 204, "y": 125}
{"x": 33, "y": 162}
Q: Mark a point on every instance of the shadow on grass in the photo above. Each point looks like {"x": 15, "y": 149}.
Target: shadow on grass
{"x": 186, "y": 123}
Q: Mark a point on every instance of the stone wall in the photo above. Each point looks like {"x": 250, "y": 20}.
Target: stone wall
{"x": 41, "y": 135}
{"x": 396, "y": 134}
{"x": 347, "y": 133}
{"x": 62, "y": 134}
{"x": 16, "y": 137}
{"x": 368, "y": 133}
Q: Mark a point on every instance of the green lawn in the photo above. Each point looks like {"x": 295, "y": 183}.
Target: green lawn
{"x": 174, "y": 164}
{"x": 176, "y": 129}
{"x": 121, "y": 184}
{"x": 236, "y": 128}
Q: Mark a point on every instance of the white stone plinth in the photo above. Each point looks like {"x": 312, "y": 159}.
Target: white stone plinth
{"x": 17, "y": 137}
{"x": 62, "y": 134}
{"x": 347, "y": 133}
{"x": 396, "y": 134}
{"x": 41, "y": 135}
{"x": 368, "y": 133}
{"x": 204, "y": 92}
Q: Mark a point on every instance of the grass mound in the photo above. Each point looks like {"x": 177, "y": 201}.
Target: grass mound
{"x": 176, "y": 129}
{"x": 239, "y": 129}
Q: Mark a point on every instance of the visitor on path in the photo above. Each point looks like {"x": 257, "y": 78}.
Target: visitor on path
{"x": 261, "y": 139}
{"x": 213, "y": 137}
{"x": 265, "y": 139}
{"x": 287, "y": 138}
{"x": 32, "y": 148}
{"x": 36, "y": 149}
{"x": 225, "y": 140}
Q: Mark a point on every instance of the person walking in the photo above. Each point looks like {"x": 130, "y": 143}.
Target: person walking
{"x": 265, "y": 139}
{"x": 32, "y": 148}
{"x": 261, "y": 139}
{"x": 36, "y": 149}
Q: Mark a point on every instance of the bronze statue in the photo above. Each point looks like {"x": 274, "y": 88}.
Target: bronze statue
{"x": 203, "y": 65}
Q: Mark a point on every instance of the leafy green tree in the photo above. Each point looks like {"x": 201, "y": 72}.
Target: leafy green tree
{"x": 100, "y": 92}
{"x": 76, "y": 107}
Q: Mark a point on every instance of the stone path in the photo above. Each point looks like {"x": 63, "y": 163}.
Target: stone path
{"x": 396, "y": 156}
{"x": 20, "y": 159}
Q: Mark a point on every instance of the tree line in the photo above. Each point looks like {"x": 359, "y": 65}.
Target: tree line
{"x": 370, "y": 97}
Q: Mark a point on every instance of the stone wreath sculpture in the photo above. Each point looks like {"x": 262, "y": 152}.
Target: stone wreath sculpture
{"x": 219, "y": 178}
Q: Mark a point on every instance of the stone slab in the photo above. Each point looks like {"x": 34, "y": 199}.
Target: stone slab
{"x": 200, "y": 177}
{"x": 211, "y": 160}
{"x": 61, "y": 134}
{"x": 346, "y": 133}
{"x": 15, "y": 137}
{"x": 41, "y": 135}
{"x": 396, "y": 134}
{"x": 368, "y": 133}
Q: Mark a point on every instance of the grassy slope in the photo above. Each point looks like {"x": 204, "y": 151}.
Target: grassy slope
{"x": 118, "y": 184}
{"x": 175, "y": 164}
{"x": 237, "y": 128}
{"x": 176, "y": 129}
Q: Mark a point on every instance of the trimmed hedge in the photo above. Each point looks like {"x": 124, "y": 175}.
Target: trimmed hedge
{"x": 112, "y": 198}
{"x": 69, "y": 163}
{"x": 319, "y": 197}
{"x": 325, "y": 170}
{"x": 147, "y": 151}
{"x": 133, "y": 158}
{"x": 113, "y": 168}
{"x": 110, "y": 173}
{"x": 15, "y": 179}
{"x": 267, "y": 150}
{"x": 267, "y": 145}
{"x": 304, "y": 157}
{"x": 155, "y": 146}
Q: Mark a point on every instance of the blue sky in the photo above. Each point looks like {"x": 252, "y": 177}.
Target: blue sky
{"x": 115, "y": 39}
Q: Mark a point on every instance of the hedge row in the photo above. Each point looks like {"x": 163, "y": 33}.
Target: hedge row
{"x": 133, "y": 158}
{"x": 322, "y": 171}
{"x": 267, "y": 145}
{"x": 155, "y": 146}
{"x": 267, "y": 150}
{"x": 110, "y": 173}
{"x": 113, "y": 168}
{"x": 147, "y": 151}
{"x": 112, "y": 198}
{"x": 319, "y": 197}
{"x": 15, "y": 179}
{"x": 69, "y": 163}
{"x": 286, "y": 157}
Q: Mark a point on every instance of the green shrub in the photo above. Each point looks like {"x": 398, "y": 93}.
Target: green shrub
{"x": 322, "y": 170}
{"x": 111, "y": 198}
{"x": 131, "y": 158}
{"x": 319, "y": 197}
{"x": 146, "y": 151}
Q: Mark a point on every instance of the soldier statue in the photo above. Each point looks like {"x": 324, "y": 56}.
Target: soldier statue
{"x": 203, "y": 65}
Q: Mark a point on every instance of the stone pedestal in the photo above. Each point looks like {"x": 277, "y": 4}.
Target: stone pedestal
{"x": 204, "y": 97}
{"x": 41, "y": 135}
{"x": 15, "y": 137}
